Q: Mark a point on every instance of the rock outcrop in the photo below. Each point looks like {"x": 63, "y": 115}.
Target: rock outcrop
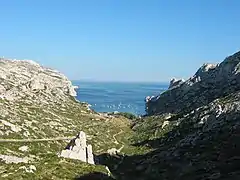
{"x": 174, "y": 83}
{"x": 78, "y": 149}
{"x": 21, "y": 77}
{"x": 13, "y": 159}
{"x": 209, "y": 82}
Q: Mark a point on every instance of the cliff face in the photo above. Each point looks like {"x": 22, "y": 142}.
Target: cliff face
{"x": 209, "y": 82}
{"x": 25, "y": 78}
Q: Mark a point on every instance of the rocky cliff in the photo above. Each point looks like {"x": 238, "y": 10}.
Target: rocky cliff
{"x": 26, "y": 78}
{"x": 208, "y": 83}
{"x": 192, "y": 129}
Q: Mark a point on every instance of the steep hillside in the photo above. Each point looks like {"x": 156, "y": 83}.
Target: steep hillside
{"x": 193, "y": 129}
{"x": 208, "y": 83}
{"x": 37, "y": 103}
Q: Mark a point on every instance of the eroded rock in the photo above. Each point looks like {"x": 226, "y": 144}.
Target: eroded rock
{"x": 23, "y": 148}
{"x": 26, "y": 77}
{"x": 113, "y": 151}
{"x": 13, "y": 159}
{"x": 211, "y": 81}
{"x": 78, "y": 149}
{"x": 30, "y": 169}
{"x": 174, "y": 83}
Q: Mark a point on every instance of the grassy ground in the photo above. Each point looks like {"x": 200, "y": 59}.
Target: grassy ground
{"x": 58, "y": 119}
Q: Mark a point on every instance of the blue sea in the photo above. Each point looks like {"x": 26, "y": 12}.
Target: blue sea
{"x": 117, "y": 96}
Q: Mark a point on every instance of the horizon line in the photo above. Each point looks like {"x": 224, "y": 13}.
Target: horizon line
{"x": 117, "y": 81}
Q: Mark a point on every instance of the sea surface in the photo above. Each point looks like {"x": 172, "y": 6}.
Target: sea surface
{"x": 117, "y": 96}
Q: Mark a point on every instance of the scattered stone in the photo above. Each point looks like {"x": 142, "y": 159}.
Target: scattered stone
{"x": 23, "y": 148}
{"x": 14, "y": 128}
{"x": 165, "y": 123}
{"x": 219, "y": 111}
{"x": 26, "y": 134}
{"x": 13, "y": 159}
{"x": 167, "y": 116}
{"x": 31, "y": 168}
{"x": 113, "y": 151}
{"x": 5, "y": 175}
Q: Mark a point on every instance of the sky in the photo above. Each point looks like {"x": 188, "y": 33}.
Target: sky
{"x": 120, "y": 40}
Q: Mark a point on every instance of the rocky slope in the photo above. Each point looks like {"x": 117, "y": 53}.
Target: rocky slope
{"x": 208, "y": 83}
{"x": 37, "y": 112}
{"x": 193, "y": 129}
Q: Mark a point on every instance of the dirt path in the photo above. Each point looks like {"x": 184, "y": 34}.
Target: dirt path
{"x": 36, "y": 140}
{"x": 114, "y": 136}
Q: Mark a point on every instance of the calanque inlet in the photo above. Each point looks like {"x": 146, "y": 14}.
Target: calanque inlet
{"x": 190, "y": 131}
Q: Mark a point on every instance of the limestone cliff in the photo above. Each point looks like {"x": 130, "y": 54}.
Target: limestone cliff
{"x": 20, "y": 78}
{"x": 208, "y": 83}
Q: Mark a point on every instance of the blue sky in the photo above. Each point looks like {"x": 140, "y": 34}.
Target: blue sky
{"x": 120, "y": 40}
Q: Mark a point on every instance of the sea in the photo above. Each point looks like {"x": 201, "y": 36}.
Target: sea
{"x": 117, "y": 96}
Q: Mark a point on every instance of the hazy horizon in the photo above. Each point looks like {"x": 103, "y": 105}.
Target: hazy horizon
{"x": 118, "y": 81}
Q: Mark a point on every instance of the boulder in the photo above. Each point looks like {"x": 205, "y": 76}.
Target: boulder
{"x": 78, "y": 149}
{"x": 23, "y": 148}
{"x": 113, "y": 151}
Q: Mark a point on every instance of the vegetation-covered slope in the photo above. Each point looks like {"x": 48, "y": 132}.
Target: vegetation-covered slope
{"x": 198, "y": 145}
{"x": 37, "y": 103}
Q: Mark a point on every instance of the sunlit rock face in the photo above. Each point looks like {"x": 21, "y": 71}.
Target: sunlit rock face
{"x": 78, "y": 149}
{"x": 211, "y": 81}
{"x": 175, "y": 82}
{"x": 19, "y": 78}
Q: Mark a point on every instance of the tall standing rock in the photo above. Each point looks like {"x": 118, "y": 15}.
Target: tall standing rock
{"x": 78, "y": 149}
